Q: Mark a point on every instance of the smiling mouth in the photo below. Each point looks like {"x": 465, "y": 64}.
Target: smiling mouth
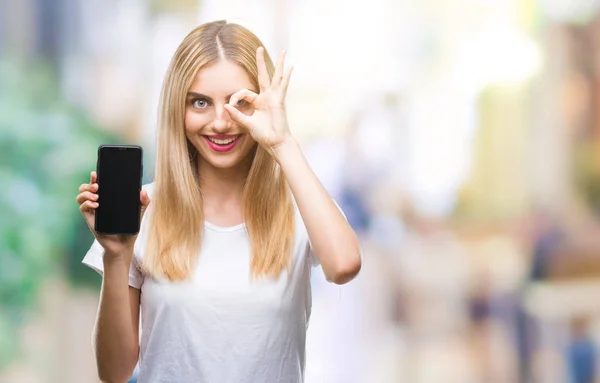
{"x": 223, "y": 142}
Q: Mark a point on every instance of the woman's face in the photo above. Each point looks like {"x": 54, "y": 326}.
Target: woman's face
{"x": 220, "y": 142}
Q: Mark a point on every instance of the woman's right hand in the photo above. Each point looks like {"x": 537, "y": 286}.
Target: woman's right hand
{"x": 115, "y": 245}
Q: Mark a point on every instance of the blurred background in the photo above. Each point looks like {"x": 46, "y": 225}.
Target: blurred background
{"x": 461, "y": 138}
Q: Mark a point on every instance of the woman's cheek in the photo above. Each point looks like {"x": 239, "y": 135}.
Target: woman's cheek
{"x": 194, "y": 121}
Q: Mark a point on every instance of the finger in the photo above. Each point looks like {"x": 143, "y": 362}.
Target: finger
{"x": 238, "y": 117}
{"x": 285, "y": 82}
{"x": 144, "y": 198}
{"x": 86, "y": 196}
{"x": 145, "y": 201}
{"x": 261, "y": 66}
{"x": 244, "y": 94}
{"x": 88, "y": 187}
{"x": 276, "y": 80}
{"x": 93, "y": 177}
{"x": 88, "y": 206}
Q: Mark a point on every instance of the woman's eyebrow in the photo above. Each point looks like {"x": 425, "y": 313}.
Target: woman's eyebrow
{"x": 198, "y": 95}
{"x": 205, "y": 97}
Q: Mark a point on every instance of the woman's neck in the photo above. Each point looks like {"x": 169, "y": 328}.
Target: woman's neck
{"x": 221, "y": 186}
{"x": 222, "y": 193}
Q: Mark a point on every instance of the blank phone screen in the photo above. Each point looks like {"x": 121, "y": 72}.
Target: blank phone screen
{"x": 119, "y": 183}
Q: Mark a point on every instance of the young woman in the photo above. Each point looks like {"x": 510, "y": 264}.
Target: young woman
{"x": 221, "y": 266}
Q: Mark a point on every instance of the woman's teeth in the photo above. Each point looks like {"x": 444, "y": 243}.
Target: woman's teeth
{"x": 223, "y": 142}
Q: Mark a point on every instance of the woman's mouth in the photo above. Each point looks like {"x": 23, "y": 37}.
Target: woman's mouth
{"x": 222, "y": 143}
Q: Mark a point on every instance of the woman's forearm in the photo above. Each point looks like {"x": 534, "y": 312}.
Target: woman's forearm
{"x": 115, "y": 339}
{"x": 333, "y": 240}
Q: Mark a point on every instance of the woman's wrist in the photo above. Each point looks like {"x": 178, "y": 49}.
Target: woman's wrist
{"x": 285, "y": 149}
{"x": 117, "y": 259}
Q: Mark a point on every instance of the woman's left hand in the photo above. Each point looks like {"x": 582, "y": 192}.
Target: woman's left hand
{"x": 268, "y": 124}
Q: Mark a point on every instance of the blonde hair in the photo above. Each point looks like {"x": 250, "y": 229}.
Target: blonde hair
{"x": 176, "y": 216}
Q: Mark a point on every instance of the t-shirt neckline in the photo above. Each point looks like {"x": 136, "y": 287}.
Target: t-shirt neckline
{"x": 214, "y": 227}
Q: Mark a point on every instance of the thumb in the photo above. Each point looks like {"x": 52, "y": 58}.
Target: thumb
{"x": 238, "y": 116}
{"x": 145, "y": 201}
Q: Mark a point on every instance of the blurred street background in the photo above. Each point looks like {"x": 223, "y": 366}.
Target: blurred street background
{"x": 461, "y": 138}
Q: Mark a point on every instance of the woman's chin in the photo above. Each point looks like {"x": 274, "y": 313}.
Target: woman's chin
{"x": 223, "y": 161}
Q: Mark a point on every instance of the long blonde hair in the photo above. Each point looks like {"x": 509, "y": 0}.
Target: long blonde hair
{"x": 176, "y": 216}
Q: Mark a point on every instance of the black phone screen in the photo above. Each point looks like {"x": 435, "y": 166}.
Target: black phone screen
{"x": 119, "y": 172}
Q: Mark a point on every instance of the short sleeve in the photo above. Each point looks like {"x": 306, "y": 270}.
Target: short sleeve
{"x": 93, "y": 259}
{"x": 314, "y": 261}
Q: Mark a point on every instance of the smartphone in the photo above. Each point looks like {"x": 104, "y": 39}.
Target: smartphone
{"x": 119, "y": 169}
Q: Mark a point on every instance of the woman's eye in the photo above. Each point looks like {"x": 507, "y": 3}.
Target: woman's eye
{"x": 200, "y": 104}
{"x": 241, "y": 103}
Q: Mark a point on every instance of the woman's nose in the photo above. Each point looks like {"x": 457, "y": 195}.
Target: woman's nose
{"x": 222, "y": 117}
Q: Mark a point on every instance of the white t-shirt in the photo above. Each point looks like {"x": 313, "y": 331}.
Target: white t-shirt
{"x": 220, "y": 327}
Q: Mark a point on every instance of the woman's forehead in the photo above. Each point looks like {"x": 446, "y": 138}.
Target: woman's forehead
{"x": 221, "y": 77}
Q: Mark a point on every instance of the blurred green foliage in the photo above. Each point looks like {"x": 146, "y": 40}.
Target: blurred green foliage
{"x": 587, "y": 173}
{"x": 47, "y": 148}
{"x": 159, "y": 7}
